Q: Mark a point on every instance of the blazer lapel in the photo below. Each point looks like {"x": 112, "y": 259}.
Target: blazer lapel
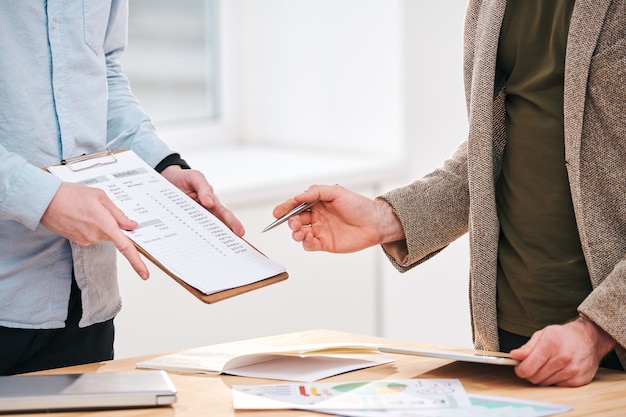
{"x": 483, "y": 213}
{"x": 488, "y": 23}
{"x": 584, "y": 30}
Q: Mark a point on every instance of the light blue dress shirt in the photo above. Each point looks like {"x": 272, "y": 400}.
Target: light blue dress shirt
{"x": 62, "y": 94}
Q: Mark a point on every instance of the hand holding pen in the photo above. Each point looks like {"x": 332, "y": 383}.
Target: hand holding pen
{"x": 338, "y": 220}
{"x": 296, "y": 210}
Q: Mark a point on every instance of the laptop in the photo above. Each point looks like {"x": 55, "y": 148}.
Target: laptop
{"x": 105, "y": 390}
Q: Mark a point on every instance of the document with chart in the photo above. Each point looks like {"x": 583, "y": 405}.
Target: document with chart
{"x": 175, "y": 232}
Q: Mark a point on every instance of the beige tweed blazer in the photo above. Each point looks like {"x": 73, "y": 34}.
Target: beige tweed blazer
{"x": 459, "y": 197}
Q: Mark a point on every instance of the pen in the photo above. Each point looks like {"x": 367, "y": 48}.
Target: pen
{"x": 297, "y": 210}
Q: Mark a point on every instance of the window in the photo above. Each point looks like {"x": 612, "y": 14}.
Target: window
{"x": 172, "y": 58}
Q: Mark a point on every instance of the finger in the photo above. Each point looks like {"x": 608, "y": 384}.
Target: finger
{"x": 523, "y": 351}
{"x": 562, "y": 373}
{"x": 122, "y": 242}
{"x": 227, "y": 217}
{"x": 313, "y": 193}
{"x": 305, "y": 218}
{"x": 284, "y": 207}
{"x": 319, "y": 192}
{"x": 310, "y": 242}
{"x": 567, "y": 377}
{"x": 538, "y": 364}
{"x": 298, "y": 235}
{"x": 530, "y": 366}
{"x": 194, "y": 184}
{"x": 538, "y": 371}
{"x": 206, "y": 196}
{"x": 575, "y": 381}
{"x": 547, "y": 376}
{"x": 209, "y": 200}
{"x": 297, "y": 222}
{"x": 230, "y": 220}
{"x": 122, "y": 220}
{"x": 129, "y": 251}
{"x": 127, "y": 248}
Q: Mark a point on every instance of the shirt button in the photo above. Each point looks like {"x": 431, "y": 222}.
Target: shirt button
{"x": 54, "y": 24}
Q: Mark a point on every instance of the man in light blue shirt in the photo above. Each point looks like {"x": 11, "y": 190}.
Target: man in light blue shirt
{"x": 63, "y": 94}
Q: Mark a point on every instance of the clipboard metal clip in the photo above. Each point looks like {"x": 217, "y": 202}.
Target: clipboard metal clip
{"x": 87, "y": 161}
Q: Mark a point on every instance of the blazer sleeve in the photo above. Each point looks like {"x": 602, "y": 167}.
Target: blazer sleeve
{"x": 433, "y": 210}
{"x": 605, "y": 306}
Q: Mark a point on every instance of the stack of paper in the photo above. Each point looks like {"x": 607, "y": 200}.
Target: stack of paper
{"x": 389, "y": 398}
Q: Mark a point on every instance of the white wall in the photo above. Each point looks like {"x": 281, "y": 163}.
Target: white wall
{"x": 320, "y": 73}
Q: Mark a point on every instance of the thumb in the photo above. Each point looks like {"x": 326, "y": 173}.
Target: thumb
{"x": 523, "y": 351}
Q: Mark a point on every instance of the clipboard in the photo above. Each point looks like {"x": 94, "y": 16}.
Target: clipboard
{"x": 217, "y": 296}
{"x": 167, "y": 216}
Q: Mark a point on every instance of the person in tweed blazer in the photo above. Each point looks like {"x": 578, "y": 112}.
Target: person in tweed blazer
{"x": 416, "y": 221}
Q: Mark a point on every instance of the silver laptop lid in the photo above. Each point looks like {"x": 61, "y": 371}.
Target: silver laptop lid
{"x": 86, "y": 391}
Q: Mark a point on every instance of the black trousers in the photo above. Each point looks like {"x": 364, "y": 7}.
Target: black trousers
{"x": 510, "y": 341}
{"x": 27, "y": 350}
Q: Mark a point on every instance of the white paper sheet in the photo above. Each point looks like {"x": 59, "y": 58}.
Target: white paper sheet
{"x": 480, "y": 406}
{"x": 307, "y": 369}
{"x": 388, "y": 398}
{"x": 174, "y": 229}
{"x": 358, "y": 395}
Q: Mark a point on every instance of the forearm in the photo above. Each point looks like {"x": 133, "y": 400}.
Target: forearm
{"x": 25, "y": 190}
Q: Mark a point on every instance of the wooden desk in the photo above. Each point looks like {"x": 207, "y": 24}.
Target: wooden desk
{"x": 210, "y": 395}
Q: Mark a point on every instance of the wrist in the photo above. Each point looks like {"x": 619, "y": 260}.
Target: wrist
{"x": 603, "y": 341}
{"x": 391, "y": 226}
{"x": 172, "y": 160}
{"x": 171, "y": 168}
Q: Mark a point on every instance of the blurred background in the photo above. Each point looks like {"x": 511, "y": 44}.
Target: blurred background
{"x": 268, "y": 97}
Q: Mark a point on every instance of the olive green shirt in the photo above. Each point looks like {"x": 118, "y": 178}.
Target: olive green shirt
{"x": 542, "y": 275}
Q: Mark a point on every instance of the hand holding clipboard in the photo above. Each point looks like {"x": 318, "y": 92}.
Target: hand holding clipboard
{"x": 175, "y": 232}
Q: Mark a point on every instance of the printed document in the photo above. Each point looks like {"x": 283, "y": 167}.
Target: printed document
{"x": 421, "y": 397}
{"x": 174, "y": 230}
{"x": 358, "y": 395}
